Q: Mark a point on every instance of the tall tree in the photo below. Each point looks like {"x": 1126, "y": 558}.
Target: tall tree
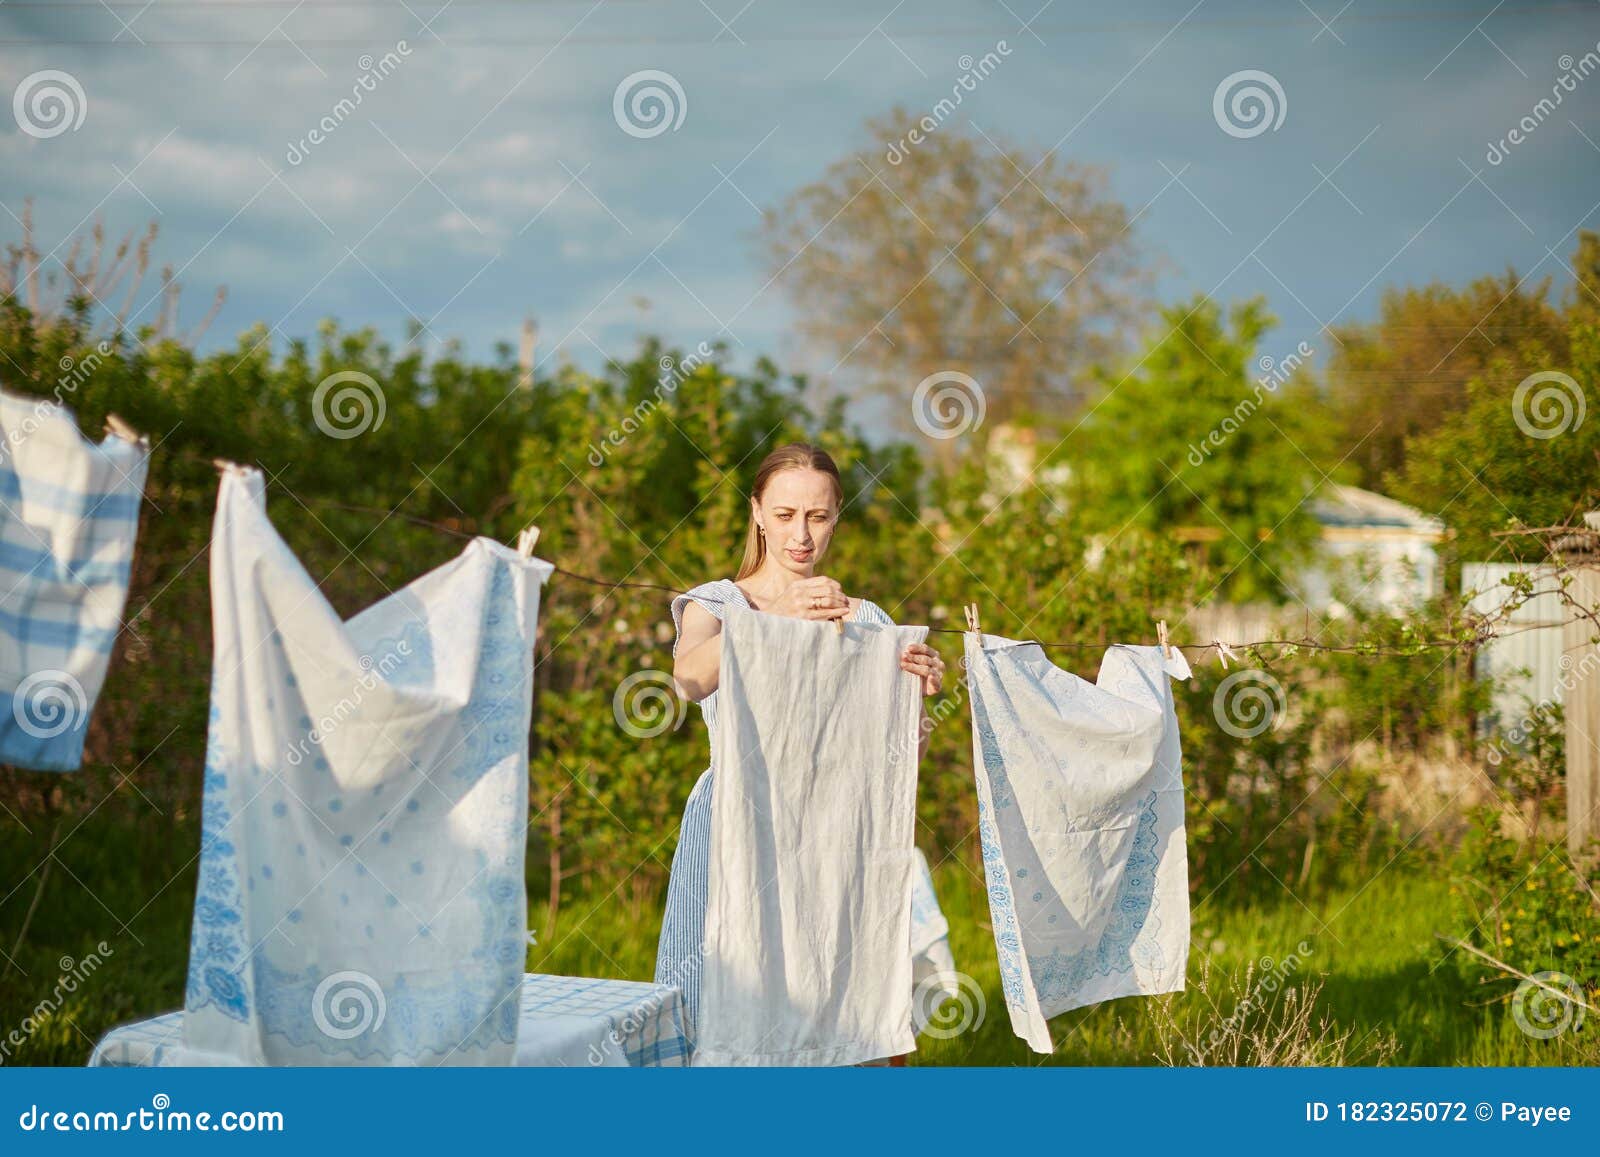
{"x": 1582, "y": 298}
{"x": 942, "y": 250}
{"x": 1195, "y": 439}
{"x": 1525, "y": 447}
{"x": 1398, "y": 377}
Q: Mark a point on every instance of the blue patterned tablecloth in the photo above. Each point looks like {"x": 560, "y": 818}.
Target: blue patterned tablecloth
{"x": 565, "y": 1020}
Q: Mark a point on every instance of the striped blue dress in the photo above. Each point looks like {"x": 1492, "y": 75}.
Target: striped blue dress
{"x": 678, "y": 953}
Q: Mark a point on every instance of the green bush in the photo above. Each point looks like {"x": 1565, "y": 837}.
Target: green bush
{"x": 1525, "y": 903}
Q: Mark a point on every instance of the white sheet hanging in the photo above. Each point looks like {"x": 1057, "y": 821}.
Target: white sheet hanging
{"x": 933, "y": 965}
{"x": 361, "y": 895}
{"x": 1080, "y": 810}
{"x": 69, "y": 514}
{"x": 808, "y": 919}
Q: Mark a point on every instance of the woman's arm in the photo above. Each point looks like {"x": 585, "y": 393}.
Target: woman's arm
{"x": 699, "y": 658}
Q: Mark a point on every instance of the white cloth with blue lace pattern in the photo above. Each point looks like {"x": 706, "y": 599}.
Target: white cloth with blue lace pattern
{"x": 361, "y": 896}
{"x": 1080, "y": 811}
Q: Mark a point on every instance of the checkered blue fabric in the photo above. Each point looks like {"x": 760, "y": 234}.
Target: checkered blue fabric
{"x": 69, "y": 515}
{"x": 645, "y": 1021}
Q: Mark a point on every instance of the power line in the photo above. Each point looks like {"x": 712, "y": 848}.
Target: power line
{"x": 318, "y": 6}
{"x": 1310, "y": 20}
{"x": 716, "y": 38}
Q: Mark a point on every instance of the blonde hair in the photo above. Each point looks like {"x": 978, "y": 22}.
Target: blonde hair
{"x": 794, "y": 456}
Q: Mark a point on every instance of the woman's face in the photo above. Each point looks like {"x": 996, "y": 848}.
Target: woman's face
{"x": 798, "y": 513}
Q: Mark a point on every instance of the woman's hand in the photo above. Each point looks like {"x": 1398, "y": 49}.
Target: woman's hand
{"x": 923, "y": 661}
{"x": 818, "y": 598}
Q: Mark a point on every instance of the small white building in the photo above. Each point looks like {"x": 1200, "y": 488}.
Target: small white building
{"x": 1373, "y": 552}
{"x": 1381, "y": 552}
{"x": 1373, "y": 549}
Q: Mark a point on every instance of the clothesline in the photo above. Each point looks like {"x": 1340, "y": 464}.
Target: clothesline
{"x": 1225, "y": 649}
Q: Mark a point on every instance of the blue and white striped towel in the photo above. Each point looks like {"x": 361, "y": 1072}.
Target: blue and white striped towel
{"x": 69, "y": 515}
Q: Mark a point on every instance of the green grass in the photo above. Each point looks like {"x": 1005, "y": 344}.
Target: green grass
{"x": 1374, "y": 949}
{"x": 129, "y": 882}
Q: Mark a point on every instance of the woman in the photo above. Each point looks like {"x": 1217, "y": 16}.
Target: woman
{"x": 794, "y": 512}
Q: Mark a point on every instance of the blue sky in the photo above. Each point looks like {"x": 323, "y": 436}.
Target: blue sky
{"x": 487, "y": 178}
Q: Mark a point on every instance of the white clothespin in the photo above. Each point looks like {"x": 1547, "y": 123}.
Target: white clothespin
{"x": 124, "y": 431}
{"x": 1224, "y": 653}
{"x": 1161, "y": 637}
{"x": 526, "y": 540}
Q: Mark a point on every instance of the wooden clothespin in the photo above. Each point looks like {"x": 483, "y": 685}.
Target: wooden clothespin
{"x": 971, "y": 611}
{"x": 124, "y": 431}
{"x": 1161, "y": 638}
{"x": 526, "y": 540}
